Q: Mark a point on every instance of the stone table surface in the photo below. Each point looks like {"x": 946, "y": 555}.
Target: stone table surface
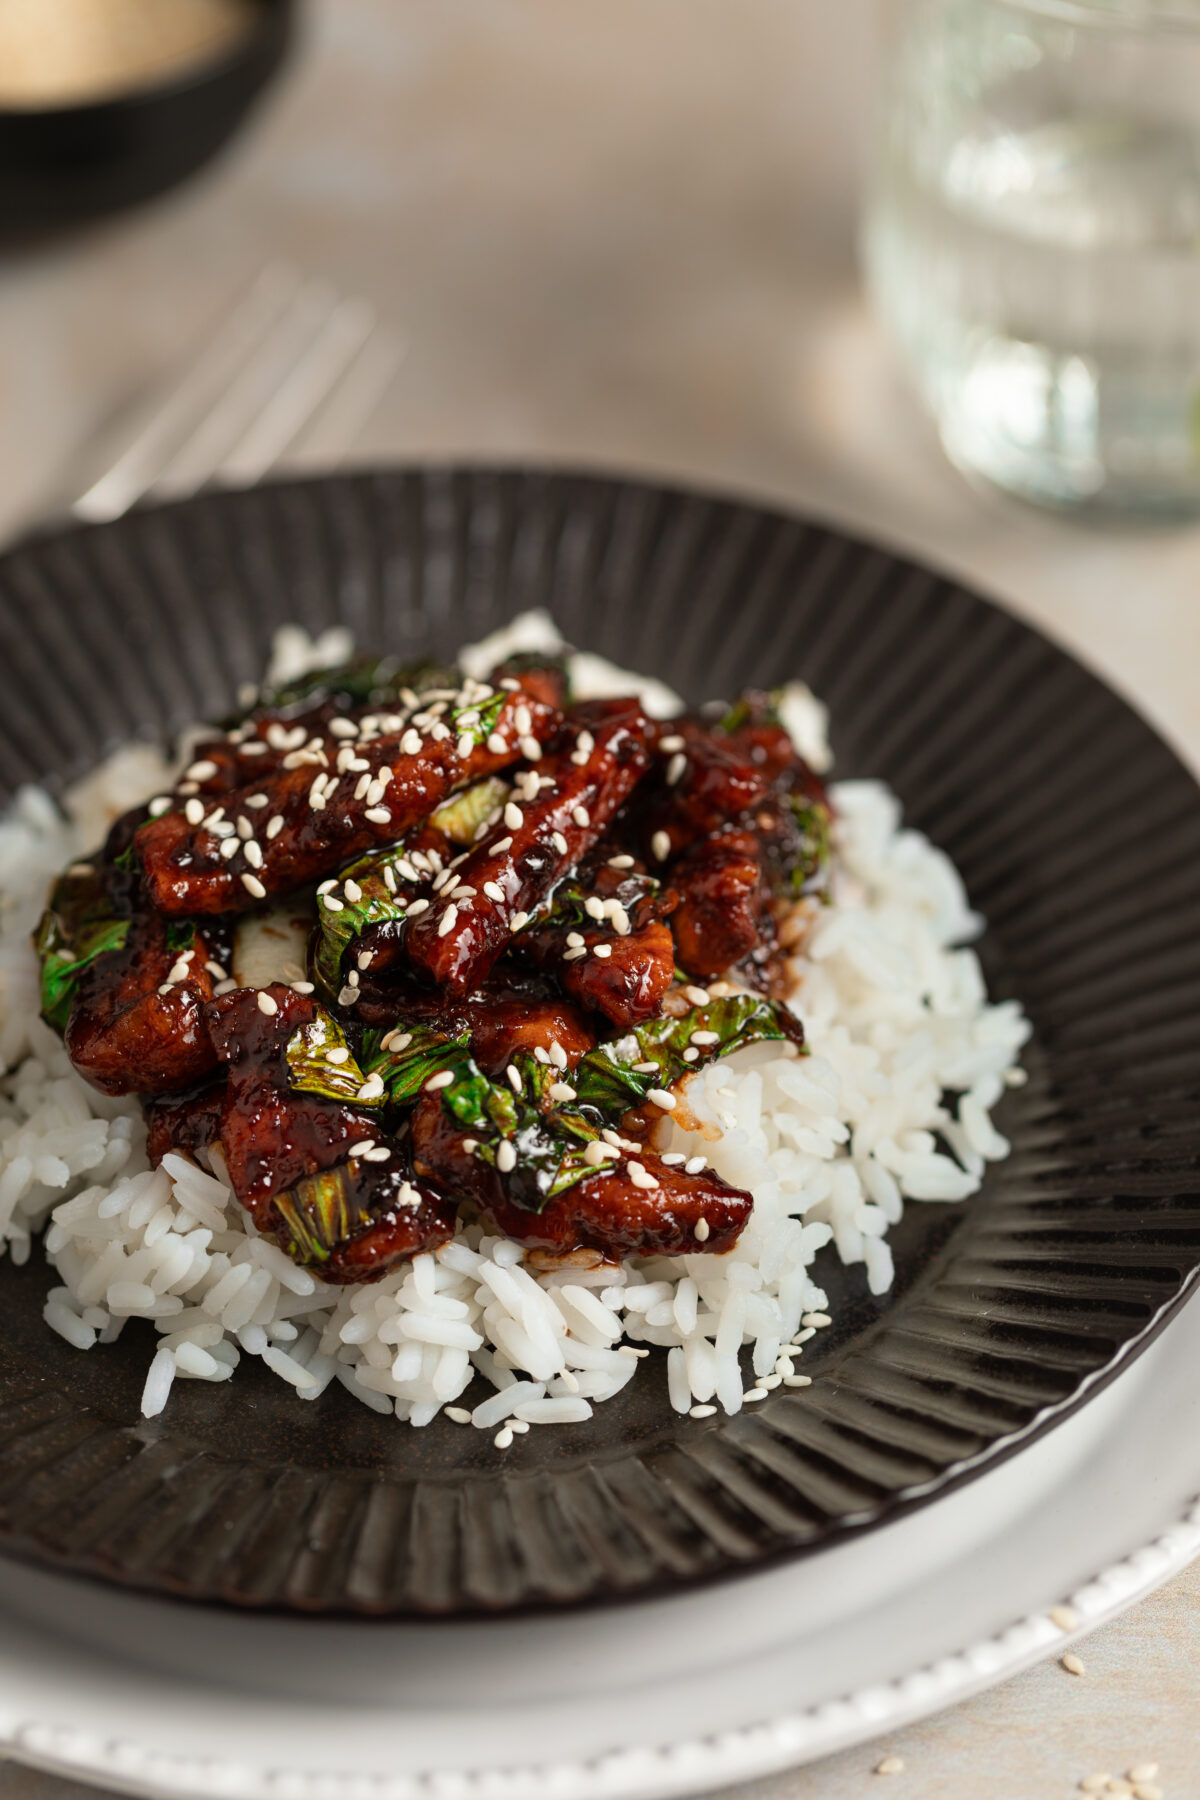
{"x": 621, "y": 232}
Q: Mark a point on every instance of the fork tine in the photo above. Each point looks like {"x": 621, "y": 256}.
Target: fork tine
{"x": 235, "y": 339}
{"x": 257, "y": 381}
{"x": 308, "y": 384}
{"x": 336, "y": 426}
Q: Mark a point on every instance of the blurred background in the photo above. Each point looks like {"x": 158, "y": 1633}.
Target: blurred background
{"x": 620, "y": 232}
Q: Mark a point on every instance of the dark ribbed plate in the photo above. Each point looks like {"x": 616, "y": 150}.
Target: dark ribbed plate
{"x": 1078, "y": 834}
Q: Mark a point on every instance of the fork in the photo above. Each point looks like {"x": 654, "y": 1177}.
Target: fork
{"x": 293, "y": 369}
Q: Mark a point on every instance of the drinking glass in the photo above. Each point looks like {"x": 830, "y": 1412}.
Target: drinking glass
{"x": 1032, "y": 242}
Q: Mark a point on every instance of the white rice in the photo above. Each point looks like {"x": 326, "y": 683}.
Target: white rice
{"x": 907, "y": 1061}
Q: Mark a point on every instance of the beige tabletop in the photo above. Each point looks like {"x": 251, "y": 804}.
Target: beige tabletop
{"x": 622, "y": 232}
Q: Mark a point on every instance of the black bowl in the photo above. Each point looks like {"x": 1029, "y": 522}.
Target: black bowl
{"x": 60, "y": 164}
{"x": 1077, "y": 833}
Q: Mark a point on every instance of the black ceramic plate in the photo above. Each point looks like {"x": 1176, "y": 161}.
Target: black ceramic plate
{"x": 1078, "y": 834}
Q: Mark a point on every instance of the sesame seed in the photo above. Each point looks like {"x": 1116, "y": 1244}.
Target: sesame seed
{"x": 497, "y": 745}
{"x": 215, "y": 970}
{"x": 797, "y": 1381}
{"x": 593, "y": 907}
{"x": 660, "y": 1097}
{"x": 448, "y": 922}
{"x": 397, "y": 1040}
{"x": 410, "y": 743}
{"x": 225, "y": 987}
{"x": 531, "y": 750}
{"x": 1065, "y": 1617}
{"x": 559, "y": 1090}
{"x": 703, "y": 1230}
{"x": 274, "y": 827}
{"x": 254, "y": 886}
{"x": 673, "y": 1158}
{"x": 417, "y": 908}
{"x": 1147, "y": 1790}
{"x": 620, "y": 862}
{"x": 371, "y": 1088}
{"x": 378, "y": 815}
{"x": 669, "y": 745}
{"x": 574, "y": 954}
{"x": 815, "y": 1320}
{"x": 559, "y": 842}
{"x": 457, "y": 1415}
{"x": 675, "y": 768}
{"x": 254, "y": 855}
{"x": 332, "y": 903}
{"x": 193, "y": 812}
{"x": 514, "y": 1079}
{"x": 519, "y": 921}
{"x": 352, "y": 891}
{"x": 506, "y": 1157}
{"x": 660, "y": 844}
{"x": 257, "y": 800}
{"x": 361, "y": 1148}
{"x": 1146, "y": 1771}
{"x": 603, "y": 951}
{"x": 697, "y": 995}
{"x": 581, "y": 816}
{"x": 494, "y": 891}
{"x": 705, "y": 1037}
{"x": 503, "y": 1438}
{"x": 255, "y": 749}
{"x": 1073, "y": 1664}
{"x": 348, "y": 996}
{"x": 755, "y": 1393}
{"x": 164, "y": 990}
{"x": 158, "y": 806}
{"x": 302, "y": 987}
{"x": 558, "y": 1056}
{"x": 501, "y": 845}
{"x": 523, "y": 720}
{"x": 202, "y": 771}
{"x": 640, "y": 1177}
{"x": 891, "y": 1765}
{"x": 343, "y": 728}
{"x": 380, "y": 1153}
{"x": 267, "y": 1005}
{"x": 510, "y": 686}
{"x": 701, "y": 1412}
{"x": 540, "y": 1055}
{"x": 230, "y": 848}
{"x": 514, "y": 818}
{"x": 597, "y": 1153}
{"x": 465, "y": 745}
{"x": 691, "y": 1056}
{"x": 695, "y": 1164}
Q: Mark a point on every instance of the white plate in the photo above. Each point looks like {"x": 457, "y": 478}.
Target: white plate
{"x": 631, "y": 1703}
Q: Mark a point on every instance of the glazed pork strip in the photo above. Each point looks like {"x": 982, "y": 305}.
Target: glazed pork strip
{"x": 723, "y": 905}
{"x": 185, "y": 1123}
{"x": 137, "y": 1023}
{"x": 503, "y": 1017}
{"x": 620, "y": 959}
{"x": 623, "y": 978}
{"x": 279, "y": 1143}
{"x": 455, "y": 944}
{"x": 336, "y": 800}
{"x": 635, "y": 1206}
{"x": 699, "y": 782}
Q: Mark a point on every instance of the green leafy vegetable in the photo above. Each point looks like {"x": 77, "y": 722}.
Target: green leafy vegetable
{"x": 412, "y": 1055}
{"x": 323, "y": 1210}
{"x": 317, "y": 1065}
{"x": 363, "y": 681}
{"x": 461, "y": 816}
{"x": 810, "y": 867}
{"x": 337, "y": 929}
{"x": 609, "y": 1079}
{"x": 78, "y": 926}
